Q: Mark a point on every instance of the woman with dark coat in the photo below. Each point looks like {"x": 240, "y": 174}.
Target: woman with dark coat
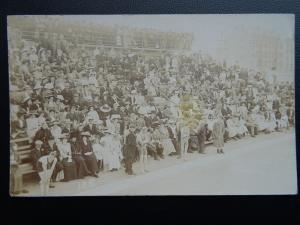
{"x": 88, "y": 154}
{"x": 77, "y": 155}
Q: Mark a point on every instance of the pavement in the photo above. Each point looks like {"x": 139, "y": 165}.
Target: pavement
{"x": 262, "y": 165}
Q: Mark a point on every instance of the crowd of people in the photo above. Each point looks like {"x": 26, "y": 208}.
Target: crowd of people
{"x": 88, "y": 32}
{"x": 88, "y": 111}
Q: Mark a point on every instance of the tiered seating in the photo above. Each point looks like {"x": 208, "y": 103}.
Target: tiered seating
{"x": 24, "y": 148}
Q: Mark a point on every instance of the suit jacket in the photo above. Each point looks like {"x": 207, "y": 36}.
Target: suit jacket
{"x": 43, "y": 135}
{"x": 130, "y": 146}
{"x": 92, "y": 129}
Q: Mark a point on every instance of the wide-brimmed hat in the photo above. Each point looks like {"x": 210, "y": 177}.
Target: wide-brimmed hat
{"x": 85, "y": 133}
{"x": 105, "y": 108}
{"x": 74, "y": 134}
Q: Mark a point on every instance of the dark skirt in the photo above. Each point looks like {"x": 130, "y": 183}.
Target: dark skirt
{"x": 194, "y": 143}
{"x": 58, "y": 167}
{"x": 91, "y": 163}
{"x": 70, "y": 172}
{"x": 82, "y": 169}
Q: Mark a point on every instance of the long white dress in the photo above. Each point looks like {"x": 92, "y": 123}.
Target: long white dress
{"x": 166, "y": 141}
{"x": 116, "y": 154}
{"x": 111, "y": 152}
{"x": 98, "y": 149}
{"x": 106, "y": 143}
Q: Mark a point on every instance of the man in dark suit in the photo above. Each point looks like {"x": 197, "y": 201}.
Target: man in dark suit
{"x": 130, "y": 149}
{"x": 43, "y": 134}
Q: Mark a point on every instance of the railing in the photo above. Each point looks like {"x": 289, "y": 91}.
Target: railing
{"x": 24, "y": 151}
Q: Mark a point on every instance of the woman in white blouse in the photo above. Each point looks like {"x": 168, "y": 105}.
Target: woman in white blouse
{"x": 69, "y": 164}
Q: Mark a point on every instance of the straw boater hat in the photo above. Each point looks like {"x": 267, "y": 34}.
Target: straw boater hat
{"x": 105, "y": 108}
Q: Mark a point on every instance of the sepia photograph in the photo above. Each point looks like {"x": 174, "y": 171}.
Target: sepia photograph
{"x": 147, "y": 105}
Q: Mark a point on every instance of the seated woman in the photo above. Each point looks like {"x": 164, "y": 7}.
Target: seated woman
{"x": 88, "y": 154}
{"x": 261, "y": 121}
{"x": 165, "y": 140}
{"x": 251, "y": 124}
{"x": 116, "y": 152}
{"x": 69, "y": 165}
{"x": 271, "y": 122}
{"x": 77, "y": 155}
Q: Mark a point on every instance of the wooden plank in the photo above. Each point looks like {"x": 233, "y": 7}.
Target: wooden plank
{"x": 25, "y": 166}
{"x": 27, "y": 156}
{"x": 27, "y": 152}
{"x": 19, "y": 140}
{"x": 28, "y": 171}
{"x": 24, "y": 147}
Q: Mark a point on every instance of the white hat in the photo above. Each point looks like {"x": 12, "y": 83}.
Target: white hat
{"x": 38, "y": 142}
{"x": 105, "y": 108}
{"x": 60, "y": 97}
